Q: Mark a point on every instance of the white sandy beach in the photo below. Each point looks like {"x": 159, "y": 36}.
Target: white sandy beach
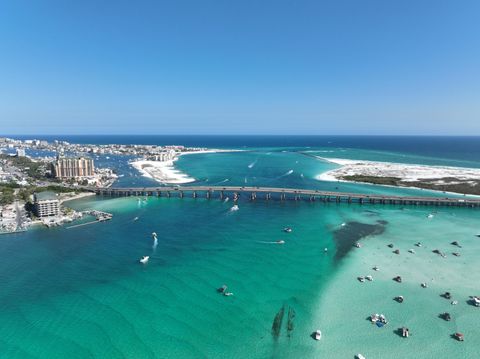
{"x": 161, "y": 171}
{"x": 165, "y": 172}
{"x": 406, "y": 172}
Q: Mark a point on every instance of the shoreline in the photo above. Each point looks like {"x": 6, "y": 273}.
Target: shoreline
{"x": 165, "y": 171}
{"x": 77, "y": 196}
{"x": 407, "y": 174}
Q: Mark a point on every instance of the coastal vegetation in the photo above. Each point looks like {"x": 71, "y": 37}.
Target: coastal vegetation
{"x": 31, "y": 168}
{"x": 7, "y": 193}
{"x": 449, "y": 184}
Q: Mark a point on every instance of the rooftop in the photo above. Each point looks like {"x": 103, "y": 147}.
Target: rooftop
{"x": 45, "y": 196}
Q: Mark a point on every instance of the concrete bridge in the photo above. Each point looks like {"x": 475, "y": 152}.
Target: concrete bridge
{"x": 270, "y": 193}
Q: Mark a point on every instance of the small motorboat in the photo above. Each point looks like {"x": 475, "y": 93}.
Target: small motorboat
{"x": 390, "y": 245}
{"x": 476, "y": 301}
{"x": 379, "y": 320}
{"x": 405, "y": 332}
{"x": 446, "y": 316}
{"x": 359, "y": 356}
{"x": 455, "y": 243}
{"x": 222, "y": 289}
{"x": 154, "y": 235}
{"x": 144, "y": 259}
{"x": 418, "y": 244}
{"x": 287, "y": 230}
{"x": 459, "y": 336}
{"x": 424, "y": 285}
{"x": 227, "y": 294}
{"x": 430, "y": 216}
{"x": 280, "y": 242}
{"x": 358, "y": 245}
{"x": 317, "y": 335}
{"x": 234, "y": 208}
{"x": 454, "y": 302}
{"x": 376, "y": 268}
{"x": 447, "y": 295}
{"x": 135, "y": 219}
{"x": 411, "y": 251}
{"x": 369, "y": 278}
{"x": 399, "y": 299}
{"x": 361, "y": 279}
{"x": 396, "y": 251}
{"x": 398, "y": 279}
{"x": 325, "y": 250}
{"x": 456, "y": 254}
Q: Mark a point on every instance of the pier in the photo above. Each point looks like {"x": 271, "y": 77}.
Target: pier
{"x": 283, "y": 194}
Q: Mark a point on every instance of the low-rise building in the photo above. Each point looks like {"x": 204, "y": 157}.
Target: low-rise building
{"x": 46, "y": 204}
{"x": 20, "y": 152}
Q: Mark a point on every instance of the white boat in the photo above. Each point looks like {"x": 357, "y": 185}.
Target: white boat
{"x": 227, "y": 294}
{"x": 476, "y": 301}
{"x": 430, "y": 216}
{"x": 359, "y": 356}
{"x": 411, "y": 251}
{"x": 454, "y": 302}
{"x": 135, "y": 219}
{"x": 234, "y": 208}
{"x": 376, "y": 268}
{"x": 361, "y": 279}
{"x": 287, "y": 230}
{"x": 358, "y": 245}
{"x": 154, "y": 235}
{"x": 317, "y": 335}
{"x": 369, "y": 277}
{"x": 280, "y": 242}
{"x": 144, "y": 259}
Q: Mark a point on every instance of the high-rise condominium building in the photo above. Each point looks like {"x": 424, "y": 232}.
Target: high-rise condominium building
{"x": 65, "y": 167}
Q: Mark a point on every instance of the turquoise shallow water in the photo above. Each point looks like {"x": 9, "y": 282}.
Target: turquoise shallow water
{"x": 81, "y": 292}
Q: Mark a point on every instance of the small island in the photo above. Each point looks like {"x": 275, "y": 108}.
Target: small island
{"x": 439, "y": 178}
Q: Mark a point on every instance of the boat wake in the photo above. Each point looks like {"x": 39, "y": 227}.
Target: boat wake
{"x": 225, "y": 180}
{"x": 251, "y": 165}
{"x": 272, "y": 242}
{"x": 288, "y": 173}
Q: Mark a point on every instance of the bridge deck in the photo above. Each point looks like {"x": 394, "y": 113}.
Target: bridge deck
{"x": 296, "y": 193}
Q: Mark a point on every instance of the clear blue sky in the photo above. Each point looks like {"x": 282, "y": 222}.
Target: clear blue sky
{"x": 240, "y": 67}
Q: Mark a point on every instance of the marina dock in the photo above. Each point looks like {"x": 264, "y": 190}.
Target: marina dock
{"x": 283, "y": 194}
